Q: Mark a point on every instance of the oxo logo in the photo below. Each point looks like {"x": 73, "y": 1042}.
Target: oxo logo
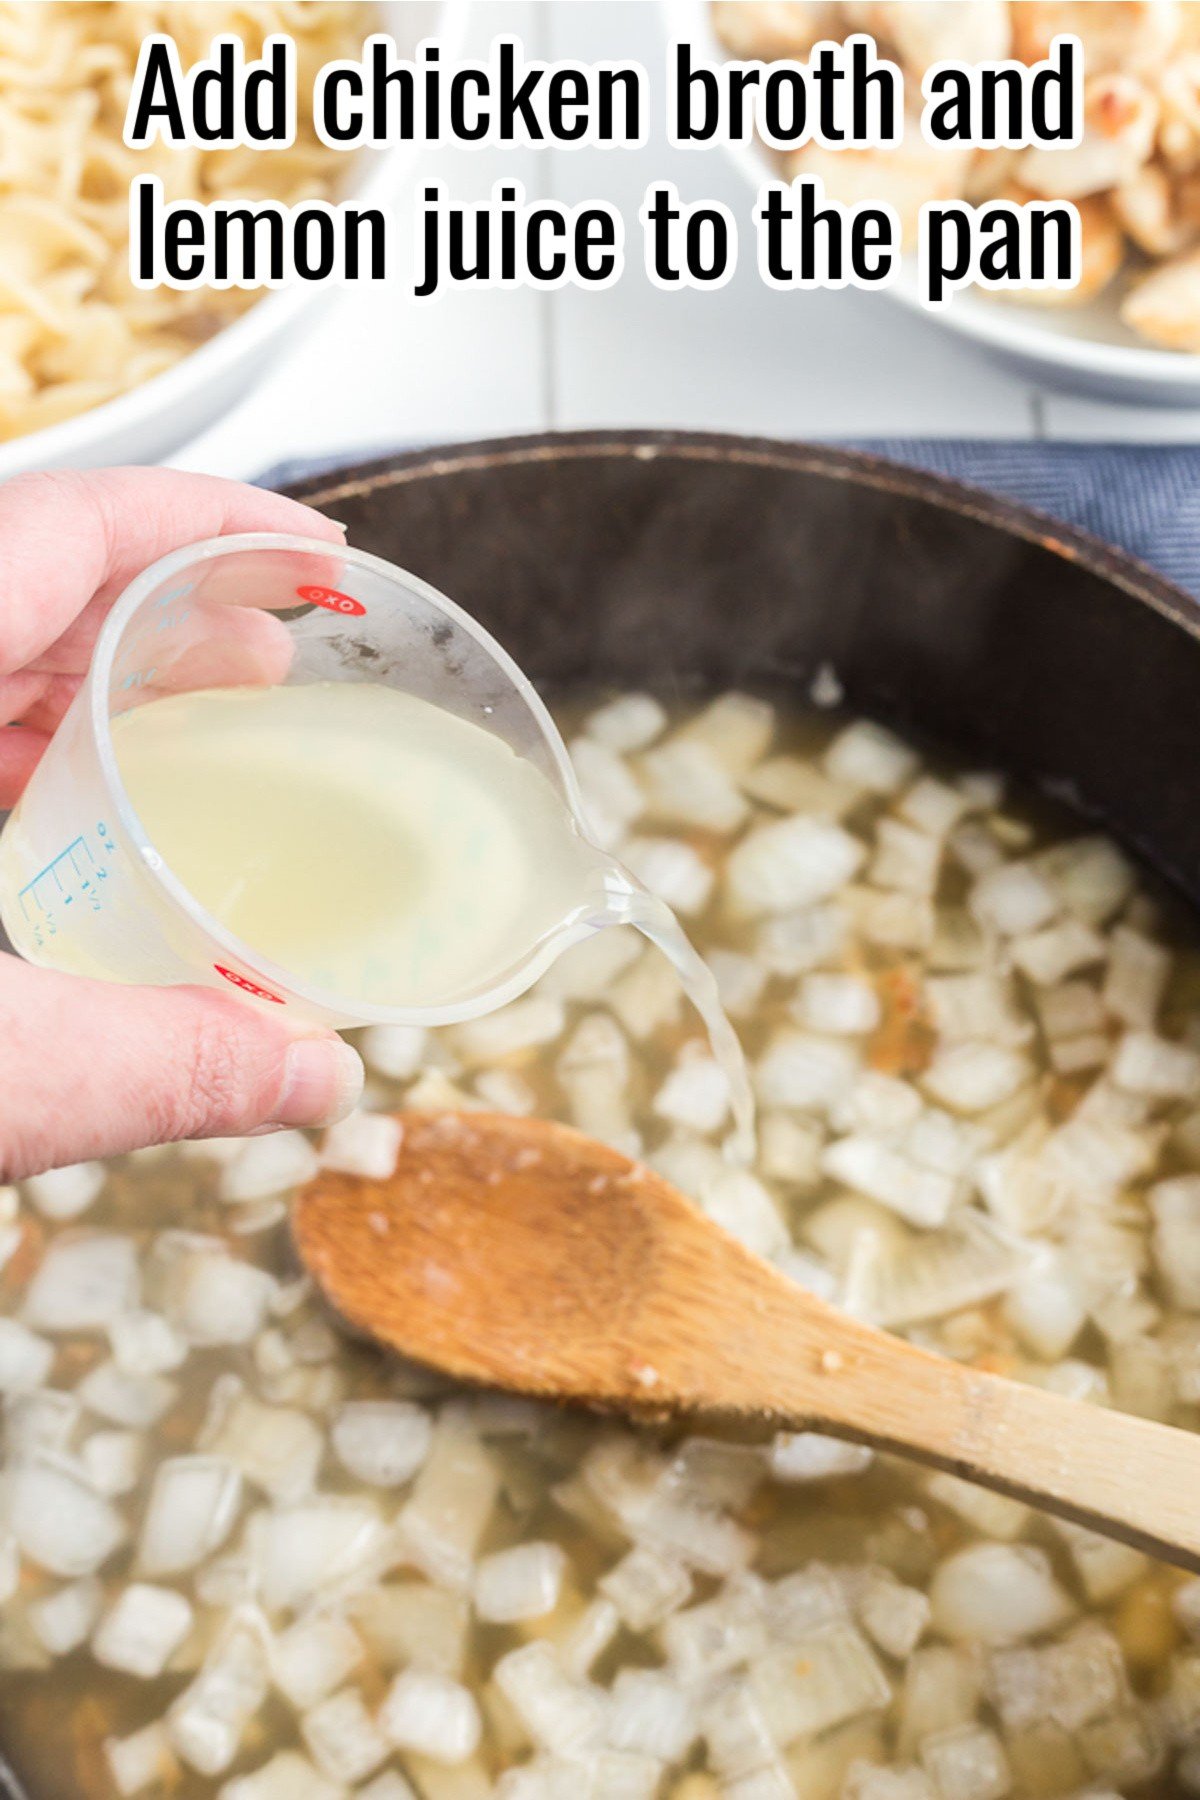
{"x": 333, "y": 600}
{"x": 247, "y": 986}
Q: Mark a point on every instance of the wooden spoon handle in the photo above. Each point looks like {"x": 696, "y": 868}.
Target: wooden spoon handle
{"x": 810, "y": 1367}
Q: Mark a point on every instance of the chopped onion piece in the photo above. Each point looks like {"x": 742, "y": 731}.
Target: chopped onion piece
{"x": 905, "y": 859}
{"x": 143, "y": 1343}
{"x": 695, "y": 1094}
{"x": 997, "y": 1594}
{"x": 1060, "y": 950}
{"x": 737, "y": 1735}
{"x": 145, "y": 1760}
{"x": 25, "y": 1358}
{"x": 523, "y": 1025}
{"x": 389, "y": 1786}
{"x": 972, "y": 1077}
{"x": 867, "y": 756}
{"x": 316, "y": 1544}
{"x": 824, "y": 1678}
{"x": 112, "y": 1461}
{"x": 991, "y": 1515}
{"x": 1013, "y": 900}
{"x": 413, "y": 1622}
{"x": 790, "y": 863}
{"x": 794, "y": 942}
{"x": 207, "y": 1722}
{"x": 83, "y": 1284}
{"x": 687, "y": 786}
{"x": 288, "y": 1776}
{"x": 381, "y": 1442}
{"x": 432, "y": 1715}
{"x": 212, "y": 1298}
{"x": 67, "y": 1192}
{"x": 893, "y": 1616}
{"x": 59, "y": 1522}
{"x": 312, "y": 1657}
{"x": 808, "y": 1073}
{"x": 612, "y": 795}
{"x": 629, "y": 722}
{"x": 839, "y": 1004}
{"x": 450, "y": 1504}
{"x": 342, "y": 1737}
{"x": 651, "y": 1715}
{"x": 589, "y": 1638}
{"x": 967, "y": 1763}
{"x": 364, "y": 1144}
{"x": 807, "y": 1456}
{"x": 560, "y": 1715}
{"x": 922, "y": 1196}
{"x": 676, "y": 872}
{"x": 277, "y": 1448}
{"x": 523, "y": 1582}
{"x": 193, "y": 1503}
{"x": 646, "y": 1587}
{"x": 736, "y": 728}
{"x": 136, "y": 1401}
{"x": 142, "y": 1629}
{"x": 65, "y": 1618}
{"x": 267, "y": 1165}
{"x": 738, "y": 1202}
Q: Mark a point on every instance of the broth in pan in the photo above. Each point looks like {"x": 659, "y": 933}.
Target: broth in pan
{"x": 246, "y": 1556}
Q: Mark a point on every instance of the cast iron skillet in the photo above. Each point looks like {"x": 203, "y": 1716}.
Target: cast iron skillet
{"x": 682, "y": 561}
{"x": 685, "y": 561}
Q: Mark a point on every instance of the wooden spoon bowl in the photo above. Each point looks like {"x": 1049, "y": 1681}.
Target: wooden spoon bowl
{"x": 519, "y": 1254}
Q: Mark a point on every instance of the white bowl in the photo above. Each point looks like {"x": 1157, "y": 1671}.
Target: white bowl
{"x": 153, "y": 419}
{"x": 1086, "y": 348}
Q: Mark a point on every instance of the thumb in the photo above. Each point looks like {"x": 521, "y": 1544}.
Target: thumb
{"x": 88, "y": 1068}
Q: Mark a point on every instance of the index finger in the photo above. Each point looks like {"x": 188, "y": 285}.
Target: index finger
{"x": 67, "y": 538}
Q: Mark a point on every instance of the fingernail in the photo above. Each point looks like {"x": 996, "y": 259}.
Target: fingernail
{"x": 322, "y": 1082}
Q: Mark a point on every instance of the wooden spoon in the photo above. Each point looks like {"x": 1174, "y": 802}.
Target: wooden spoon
{"x": 520, "y": 1254}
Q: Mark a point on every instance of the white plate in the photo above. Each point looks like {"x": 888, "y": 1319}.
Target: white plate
{"x": 1086, "y": 347}
{"x": 154, "y": 418}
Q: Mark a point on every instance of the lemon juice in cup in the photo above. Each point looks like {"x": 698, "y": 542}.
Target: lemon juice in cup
{"x": 302, "y": 772}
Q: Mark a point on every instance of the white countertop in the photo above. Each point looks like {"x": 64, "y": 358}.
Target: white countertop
{"x": 377, "y": 369}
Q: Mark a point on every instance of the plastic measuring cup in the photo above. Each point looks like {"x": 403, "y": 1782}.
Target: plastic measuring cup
{"x": 82, "y": 887}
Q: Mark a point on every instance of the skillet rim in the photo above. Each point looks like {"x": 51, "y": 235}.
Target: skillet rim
{"x": 1070, "y": 543}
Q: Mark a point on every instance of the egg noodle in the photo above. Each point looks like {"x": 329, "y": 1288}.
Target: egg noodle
{"x": 74, "y": 332}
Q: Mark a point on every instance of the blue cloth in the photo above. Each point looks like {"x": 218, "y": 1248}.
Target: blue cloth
{"x": 1143, "y": 498}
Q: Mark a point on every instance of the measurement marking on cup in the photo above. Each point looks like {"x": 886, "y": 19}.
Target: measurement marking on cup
{"x": 333, "y": 600}
{"x": 76, "y": 873}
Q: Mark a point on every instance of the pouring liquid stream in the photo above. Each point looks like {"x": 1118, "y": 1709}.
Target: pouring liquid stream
{"x": 379, "y": 847}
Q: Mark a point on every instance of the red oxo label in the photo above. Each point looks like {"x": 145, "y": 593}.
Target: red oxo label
{"x": 332, "y": 601}
{"x": 247, "y": 986}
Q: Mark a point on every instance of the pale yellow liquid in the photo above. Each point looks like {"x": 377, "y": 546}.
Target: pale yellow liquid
{"x": 369, "y": 843}
{"x": 379, "y": 848}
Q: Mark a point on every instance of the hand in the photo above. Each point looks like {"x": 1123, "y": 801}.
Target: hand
{"x": 90, "y": 1068}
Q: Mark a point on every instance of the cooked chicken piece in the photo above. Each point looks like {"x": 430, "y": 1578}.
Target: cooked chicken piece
{"x": 1165, "y": 305}
{"x": 1127, "y": 35}
{"x": 1102, "y": 244}
{"x": 990, "y": 176}
{"x": 1158, "y": 214}
{"x": 920, "y": 32}
{"x": 764, "y": 30}
{"x": 905, "y": 176}
{"x": 1179, "y": 126}
{"x": 1120, "y": 120}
